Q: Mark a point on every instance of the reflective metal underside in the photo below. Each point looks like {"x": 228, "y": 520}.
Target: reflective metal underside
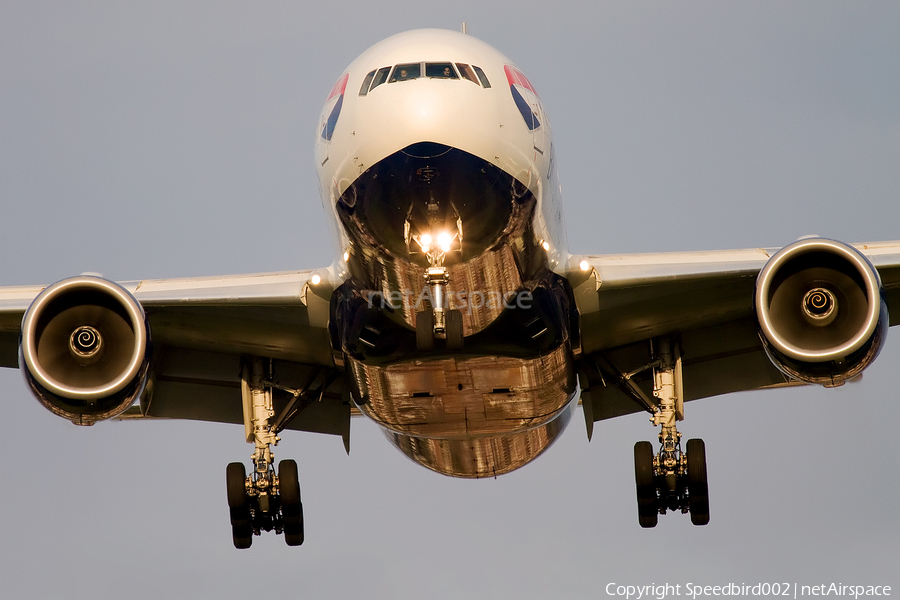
{"x": 464, "y": 397}
{"x": 433, "y": 187}
{"x": 475, "y": 458}
{"x": 503, "y": 400}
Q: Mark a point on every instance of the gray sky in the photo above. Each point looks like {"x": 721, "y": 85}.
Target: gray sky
{"x": 169, "y": 140}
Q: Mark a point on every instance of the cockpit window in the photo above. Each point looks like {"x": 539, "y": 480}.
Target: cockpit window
{"x": 440, "y": 71}
{"x": 380, "y": 77}
{"x": 467, "y": 72}
{"x": 364, "y": 88}
{"x": 482, "y": 77}
{"x": 406, "y": 71}
{"x": 432, "y": 70}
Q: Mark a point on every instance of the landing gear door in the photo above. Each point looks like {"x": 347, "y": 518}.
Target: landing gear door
{"x": 538, "y": 132}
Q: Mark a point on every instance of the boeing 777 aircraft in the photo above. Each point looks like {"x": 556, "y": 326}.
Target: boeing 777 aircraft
{"x": 453, "y": 315}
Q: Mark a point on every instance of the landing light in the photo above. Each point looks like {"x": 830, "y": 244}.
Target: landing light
{"x": 545, "y": 245}
{"x": 583, "y": 265}
{"x": 315, "y": 279}
{"x": 425, "y": 242}
{"x": 444, "y": 241}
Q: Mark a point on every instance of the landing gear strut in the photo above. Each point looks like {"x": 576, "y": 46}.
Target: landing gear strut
{"x": 438, "y": 321}
{"x": 262, "y": 501}
{"x": 671, "y": 479}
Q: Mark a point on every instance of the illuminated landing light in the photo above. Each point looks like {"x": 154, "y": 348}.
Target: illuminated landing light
{"x": 444, "y": 241}
{"x": 425, "y": 242}
{"x": 315, "y": 280}
{"x": 584, "y": 266}
{"x": 545, "y": 245}
{"x": 346, "y": 256}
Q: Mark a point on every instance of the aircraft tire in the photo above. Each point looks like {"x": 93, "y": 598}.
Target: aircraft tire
{"x": 288, "y": 483}
{"x": 454, "y": 326}
{"x": 645, "y": 485}
{"x": 242, "y": 537}
{"x": 698, "y": 487}
{"x": 291, "y": 506}
{"x": 293, "y": 530}
{"x": 236, "y": 476}
{"x": 425, "y": 330}
{"x": 238, "y": 505}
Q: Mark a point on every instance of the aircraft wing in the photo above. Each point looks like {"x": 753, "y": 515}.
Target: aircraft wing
{"x": 706, "y": 299}
{"x": 201, "y": 328}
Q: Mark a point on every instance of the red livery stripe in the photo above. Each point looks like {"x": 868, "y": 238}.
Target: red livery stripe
{"x": 339, "y": 87}
{"x": 516, "y": 77}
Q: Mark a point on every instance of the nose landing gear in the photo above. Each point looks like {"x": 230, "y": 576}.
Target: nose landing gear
{"x": 439, "y": 320}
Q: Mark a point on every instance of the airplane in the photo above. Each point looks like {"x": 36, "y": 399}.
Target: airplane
{"x": 453, "y": 315}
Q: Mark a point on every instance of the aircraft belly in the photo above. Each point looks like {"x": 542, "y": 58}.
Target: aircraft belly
{"x": 475, "y": 458}
{"x": 465, "y": 397}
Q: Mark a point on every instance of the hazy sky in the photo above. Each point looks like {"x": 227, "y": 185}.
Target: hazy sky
{"x": 173, "y": 139}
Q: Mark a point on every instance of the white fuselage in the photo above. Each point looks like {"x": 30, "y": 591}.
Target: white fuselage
{"x": 432, "y": 133}
{"x": 482, "y": 121}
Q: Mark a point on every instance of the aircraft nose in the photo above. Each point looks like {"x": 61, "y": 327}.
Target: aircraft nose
{"x": 425, "y": 110}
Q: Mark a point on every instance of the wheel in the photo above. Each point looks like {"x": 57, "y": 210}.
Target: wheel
{"x": 242, "y": 543}
{"x": 236, "y": 477}
{"x": 698, "y": 487}
{"x": 645, "y": 485}
{"x": 293, "y": 539}
{"x": 288, "y": 483}
{"x": 238, "y": 505}
{"x": 291, "y": 507}
{"x": 240, "y": 517}
{"x": 454, "y": 325}
{"x": 425, "y": 330}
{"x": 293, "y": 528}
{"x": 242, "y": 536}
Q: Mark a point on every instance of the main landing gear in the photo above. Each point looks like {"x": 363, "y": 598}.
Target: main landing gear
{"x": 264, "y": 500}
{"x": 672, "y": 479}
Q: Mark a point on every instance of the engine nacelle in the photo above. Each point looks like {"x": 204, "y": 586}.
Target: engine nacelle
{"x": 85, "y": 349}
{"x": 821, "y": 315}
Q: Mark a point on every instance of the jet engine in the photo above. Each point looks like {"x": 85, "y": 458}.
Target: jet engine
{"x": 85, "y": 349}
{"x": 821, "y": 315}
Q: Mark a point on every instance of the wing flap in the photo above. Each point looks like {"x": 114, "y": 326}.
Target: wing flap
{"x": 206, "y": 386}
{"x": 716, "y": 360}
